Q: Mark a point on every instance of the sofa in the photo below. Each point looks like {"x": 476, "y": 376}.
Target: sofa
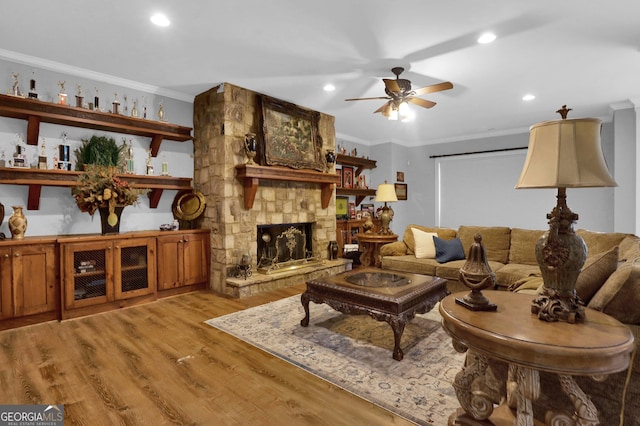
{"x": 609, "y": 282}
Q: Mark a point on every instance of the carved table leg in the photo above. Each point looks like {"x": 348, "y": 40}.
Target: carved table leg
{"x": 397, "y": 325}
{"x": 365, "y": 257}
{"x": 476, "y": 404}
{"x": 304, "y": 299}
{"x": 585, "y": 412}
{"x": 523, "y": 386}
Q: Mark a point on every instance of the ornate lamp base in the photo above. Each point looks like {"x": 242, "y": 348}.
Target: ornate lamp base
{"x": 560, "y": 253}
{"x": 551, "y": 306}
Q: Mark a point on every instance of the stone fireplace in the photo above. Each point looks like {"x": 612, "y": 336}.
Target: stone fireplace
{"x": 222, "y": 117}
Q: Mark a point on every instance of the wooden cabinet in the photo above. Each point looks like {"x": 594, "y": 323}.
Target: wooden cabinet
{"x": 27, "y": 282}
{"x": 100, "y": 273}
{"x": 360, "y": 164}
{"x": 347, "y": 231}
{"x": 183, "y": 260}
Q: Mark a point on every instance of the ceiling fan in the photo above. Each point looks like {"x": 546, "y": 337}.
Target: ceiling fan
{"x": 399, "y": 92}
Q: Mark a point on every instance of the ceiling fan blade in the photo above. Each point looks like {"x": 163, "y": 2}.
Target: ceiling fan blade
{"x": 384, "y": 109}
{"x": 391, "y": 85}
{"x": 434, "y": 88}
{"x": 367, "y": 99}
{"x": 421, "y": 102}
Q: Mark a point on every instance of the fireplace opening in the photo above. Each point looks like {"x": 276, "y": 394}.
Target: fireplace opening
{"x": 285, "y": 246}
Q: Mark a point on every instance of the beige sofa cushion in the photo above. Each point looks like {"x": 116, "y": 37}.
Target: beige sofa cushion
{"x": 620, "y": 294}
{"x": 496, "y": 240}
{"x": 595, "y": 272}
{"x": 425, "y": 248}
{"x": 523, "y": 246}
{"x": 629, "y": 248}
{"x": 512, "y": 272}
{"x": 397, "y": 248}
{"x": 409, "y": 263}
{"x": 444, "y": 233}
{"x": 451, "y": 270}
{"x": 598, "y": 242}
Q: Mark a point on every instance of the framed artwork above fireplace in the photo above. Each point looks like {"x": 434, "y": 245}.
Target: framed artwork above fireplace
{"x": 290, "y": 135}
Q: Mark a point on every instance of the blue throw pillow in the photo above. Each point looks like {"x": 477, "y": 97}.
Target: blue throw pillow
{"x": 447, "y": 250}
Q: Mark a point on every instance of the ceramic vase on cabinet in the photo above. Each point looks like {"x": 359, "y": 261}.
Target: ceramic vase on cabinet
{"x": 17, "y": 223}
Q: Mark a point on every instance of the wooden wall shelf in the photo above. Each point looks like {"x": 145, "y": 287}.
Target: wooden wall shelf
{"x": 36, "y": 112}
{"x": 36, "y": 179}
{"x": 360, "y": 164}
{"x": 249, "y": 176}
{"x": 360, "y": 194}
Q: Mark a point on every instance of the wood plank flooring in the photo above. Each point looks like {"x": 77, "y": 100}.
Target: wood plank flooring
{"x": 159, "y": 364}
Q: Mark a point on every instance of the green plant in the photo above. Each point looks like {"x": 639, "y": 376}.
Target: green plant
{"x": 99, "y": 150}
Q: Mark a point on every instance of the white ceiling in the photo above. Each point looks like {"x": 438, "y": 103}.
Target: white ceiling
{"x": 581, "y": 53}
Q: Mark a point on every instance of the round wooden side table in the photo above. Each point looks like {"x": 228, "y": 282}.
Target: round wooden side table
{"x": 599, "y": 346}
{"x": 370, "y": 244}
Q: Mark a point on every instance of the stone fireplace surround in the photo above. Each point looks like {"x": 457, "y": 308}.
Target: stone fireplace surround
{"x": 222, "y": 116}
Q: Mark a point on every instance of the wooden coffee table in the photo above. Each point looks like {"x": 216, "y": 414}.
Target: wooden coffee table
{"x": 384, "y": 295}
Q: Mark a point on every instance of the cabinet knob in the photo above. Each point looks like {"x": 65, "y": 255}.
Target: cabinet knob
{"x": 5, "y": 256}
{"x": 109, "y": 247}
{"x": 17, "y": 254}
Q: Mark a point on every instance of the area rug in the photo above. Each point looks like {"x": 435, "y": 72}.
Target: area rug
{"x": 354, "y": 353}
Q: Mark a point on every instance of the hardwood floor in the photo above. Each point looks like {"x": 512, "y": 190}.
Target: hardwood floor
{"x": 159, "y": 364}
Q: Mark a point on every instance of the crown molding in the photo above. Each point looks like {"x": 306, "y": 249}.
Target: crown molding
{"x": 92, "y": 75}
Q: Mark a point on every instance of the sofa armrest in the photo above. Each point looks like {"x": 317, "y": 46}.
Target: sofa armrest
{"x": 397, "y": 248}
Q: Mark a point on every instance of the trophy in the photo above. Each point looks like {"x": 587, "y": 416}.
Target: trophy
{"x": 62, "y": 97}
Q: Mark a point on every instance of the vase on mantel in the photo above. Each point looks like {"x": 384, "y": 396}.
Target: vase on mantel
{"x": 17, "y": 223}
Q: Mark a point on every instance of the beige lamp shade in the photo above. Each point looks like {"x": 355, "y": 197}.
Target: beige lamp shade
{"x": 386, "y": 193}
{"x": 565, "y": 154}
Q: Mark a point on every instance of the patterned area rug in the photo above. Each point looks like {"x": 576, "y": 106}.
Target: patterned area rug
{"x": 354, "y": 353}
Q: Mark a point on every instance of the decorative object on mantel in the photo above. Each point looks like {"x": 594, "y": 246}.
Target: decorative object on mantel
{"x": 99, "y": 150}
{"x": 563, "y": 154}
{"x": 386, "y": 193}
{"x": 17, "y": 223}
{"x": 250, "y": 147}
{"x": 100, "y": 188}
{"x": 333, "y": 250}
{"x": 477, "y": 275}
{"x": 330, "y": 156}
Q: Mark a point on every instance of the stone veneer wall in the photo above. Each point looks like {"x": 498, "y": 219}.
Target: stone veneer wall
{"x": 221, "y": 117}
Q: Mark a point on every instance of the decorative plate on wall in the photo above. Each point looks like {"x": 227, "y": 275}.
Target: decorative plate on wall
{"x": 188, "y": 205}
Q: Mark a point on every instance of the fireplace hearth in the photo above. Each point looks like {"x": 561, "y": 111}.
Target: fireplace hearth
{"x": 285, "y": 246}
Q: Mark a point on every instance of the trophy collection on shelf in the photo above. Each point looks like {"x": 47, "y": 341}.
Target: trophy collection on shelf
{"x": 61, "y": 98}
{"x": 35, "y": 157}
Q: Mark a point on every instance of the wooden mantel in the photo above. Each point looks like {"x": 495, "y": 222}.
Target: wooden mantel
{"x": 249, "y": 176}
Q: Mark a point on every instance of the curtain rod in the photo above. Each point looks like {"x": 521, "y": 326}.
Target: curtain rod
{"x": 478, "y": 152}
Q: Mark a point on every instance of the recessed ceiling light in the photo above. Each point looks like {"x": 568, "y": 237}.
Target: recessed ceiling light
{"x": 160, "y": 20}
{"x": 486, "y": 38}
{"x": 528, "y": 97}
{"x": 329, "y": 87}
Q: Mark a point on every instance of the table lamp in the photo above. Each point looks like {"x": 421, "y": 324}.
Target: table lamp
{"x": 563, "y": 154}
{"x": 386, "y": 193}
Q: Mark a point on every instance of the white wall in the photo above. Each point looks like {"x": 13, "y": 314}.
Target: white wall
{"x": 58, "y": 214}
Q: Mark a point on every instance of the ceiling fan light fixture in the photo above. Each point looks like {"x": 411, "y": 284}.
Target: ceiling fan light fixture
{"x": 404, "y": 112}
{"x": 329, "y": 87}
{"x": 393, "y": 113}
